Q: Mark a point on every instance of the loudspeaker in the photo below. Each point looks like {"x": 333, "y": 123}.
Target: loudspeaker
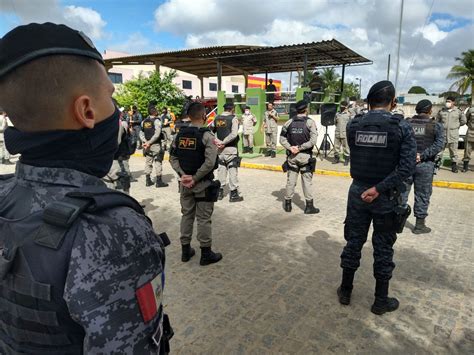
{"x": 328, "y": 114}
{"x": 293, "y": 112}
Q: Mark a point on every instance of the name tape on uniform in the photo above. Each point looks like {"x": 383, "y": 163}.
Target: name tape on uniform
{"x": 371, "y": 139}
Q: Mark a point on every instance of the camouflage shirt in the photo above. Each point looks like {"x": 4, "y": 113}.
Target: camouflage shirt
{"x": 114, "y": 254}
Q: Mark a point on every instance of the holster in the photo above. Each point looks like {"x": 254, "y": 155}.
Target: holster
{"x": 212, "y": 192}
{"x": 234, "y": 163}
{"x": 285, "y": 166}
{"x": 311, "y": 167}
{"x": 401, "y": 215}
{"x": 168, "y": 333}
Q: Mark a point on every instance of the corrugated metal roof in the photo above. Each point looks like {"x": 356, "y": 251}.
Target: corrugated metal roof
{"x": 237, "y": 60}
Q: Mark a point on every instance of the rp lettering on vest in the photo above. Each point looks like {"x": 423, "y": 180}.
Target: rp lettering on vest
{"x": 371, "y": 139}
{"x": 187, "y": 143}
{"x": 221, "y": 123}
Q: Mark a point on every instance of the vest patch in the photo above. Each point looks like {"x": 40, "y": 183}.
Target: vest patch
{"x": 221, "y": 123}
{"x": 150, "y": 297}
{"x": 147, "y": 125}
{"x": 420, "y": 130}
{"x": 187, "y": 143}
{"x": 297, "y": 130}
{"x": 371, "y": 139}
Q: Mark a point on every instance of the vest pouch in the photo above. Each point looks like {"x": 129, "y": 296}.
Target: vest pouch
{"x": 6, "y": 262}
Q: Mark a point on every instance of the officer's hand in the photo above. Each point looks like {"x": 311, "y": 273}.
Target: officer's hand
{"x": 370, "y": 195}
{"x": 418, "y": 157}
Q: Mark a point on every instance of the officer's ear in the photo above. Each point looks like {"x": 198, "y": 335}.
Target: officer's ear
{"x": 83, "y": 112}
{"x": 393, "y": 104}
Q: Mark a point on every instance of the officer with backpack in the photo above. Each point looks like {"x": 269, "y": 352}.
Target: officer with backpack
{"x": 298, "y": 137}
{"x": 194, "y": 158}
{"x": 81, "y": 268}
{"x": 152, "y": 137}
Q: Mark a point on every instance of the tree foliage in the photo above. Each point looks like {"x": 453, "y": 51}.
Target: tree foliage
{"x": 156, "y": 87}
{"x": 417, "y": 90}
{"x": 463, "y": 73}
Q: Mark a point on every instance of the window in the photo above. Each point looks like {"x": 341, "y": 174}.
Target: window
{"x": 187, "y": 84}
{"x": 235, "y": 89}
{"x": 212, "y": 87}
{"x": 116, "y": 78}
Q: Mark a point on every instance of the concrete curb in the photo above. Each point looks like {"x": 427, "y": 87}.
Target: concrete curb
{"x": 446, "y": 184}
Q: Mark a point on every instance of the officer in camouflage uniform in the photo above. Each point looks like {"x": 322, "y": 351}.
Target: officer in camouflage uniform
{"x": 226, "y": 127}
{"x": 194, "y": 158}
{"x": 429, "y": 142}
{"x": 452, "y": 118}
{"x": 81, "y": 269}
{"x": 388, "y": 140}
{"x": 152, "y": 137}
{"x": 469, "y": 140}
{"x": 340, "y": 137}
{"x": 299, "y": 135}
{"x": 248, "y": 123}
{"x": 270, "y": 125}
{"x": 353, "y": 108}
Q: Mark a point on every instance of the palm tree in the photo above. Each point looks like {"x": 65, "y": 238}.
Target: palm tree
{"x": 464, "y": 73}
{"x": 331, "y": 80}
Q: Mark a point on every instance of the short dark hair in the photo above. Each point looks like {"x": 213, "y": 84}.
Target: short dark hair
{"x": 451, "y": 98}
{"x": 134, "y": 107}
{"x": 195, "y": 109}
{"x": 302, "y": 110}
{"x": 382, "y": 97}
{"x": 152, "y": 110}
{"x": 344, "y": 103}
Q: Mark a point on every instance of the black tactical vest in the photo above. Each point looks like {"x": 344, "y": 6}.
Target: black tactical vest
{"x": 181, "y": 124}
{"x": 149, "y": 127}
{"x": 223, "y": 127}
{"x": 34, "y": 316}
{"x": 424, "y": 128}
{"x": 298, "y": 132}
{"x": 374, "y": 141}
{"x": 190, "y": 150}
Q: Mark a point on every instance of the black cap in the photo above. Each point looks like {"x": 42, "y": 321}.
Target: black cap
{"x": 423, "y": 106}
{"x": 228, "y": 106}
{"x": 29, "y": 42}
{"x": 379, "y": 87}
{"x": 451, "y": 98}
{"x": 301, "y": 105}
{"x": 247, "y": 108}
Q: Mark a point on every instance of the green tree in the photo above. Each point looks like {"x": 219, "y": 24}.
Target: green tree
{"x": 331, "y": 79}
{"x": 156, "y": 87}
{"x": 463, "y": 73}
{"x": 417, "y": 90}
{"x": 350, "y": 89}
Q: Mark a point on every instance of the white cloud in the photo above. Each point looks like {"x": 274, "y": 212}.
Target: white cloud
{"x": 431, "y": 32}
{"x": 81, "y": 18}
{"x": 135, "y": 43}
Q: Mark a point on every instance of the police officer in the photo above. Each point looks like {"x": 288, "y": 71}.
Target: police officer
{"x": 469, "y": 140}
{"x": 388, "y": 140}
{"x": 429, "y": 142}
{"x": 452, "y": 118}
{"x": 226, "y": 127}
{"x": 398, "y": 110}
{"x": 136, "y": 121}
{"x": 194, "y": 157}
{"x": 151, "y": 136}
{"x": 340, "y": 138}
{"x": 353, "y": 108}
{"x": 166, "y": 128}
{"x": 81, "y": 269}
{"x": 270, "y": 125}
{"x": 299, "y": 136}
{"x": 248, "y": 123}
{"x": 3, "y": 150}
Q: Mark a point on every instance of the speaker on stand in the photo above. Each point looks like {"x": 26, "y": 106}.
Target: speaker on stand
{"x": 328, "y": 116}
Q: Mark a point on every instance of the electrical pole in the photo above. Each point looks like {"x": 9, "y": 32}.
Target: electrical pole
{"x": 399, "y": 45}
{"x": 388, "y": 68}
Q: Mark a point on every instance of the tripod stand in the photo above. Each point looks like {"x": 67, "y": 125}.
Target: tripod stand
{"x": 326, "y": 140}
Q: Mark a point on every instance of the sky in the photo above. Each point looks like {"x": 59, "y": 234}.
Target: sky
{"x": 434, "y": 33}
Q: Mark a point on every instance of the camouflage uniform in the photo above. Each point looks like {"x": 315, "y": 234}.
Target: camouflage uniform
{"x": 112, "y": 255}
{"x": 340, "y": 137}
{"x": 469, "y": 140}
{"x": 271, "y": 129}
{"x": 451, "y": 119}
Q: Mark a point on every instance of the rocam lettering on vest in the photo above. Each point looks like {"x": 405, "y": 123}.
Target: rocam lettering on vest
{"x": 187, "y": 143}
{"x": 371, "y": 139}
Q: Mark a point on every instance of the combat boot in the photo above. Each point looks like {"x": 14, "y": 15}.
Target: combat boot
{"x": 383, "y": 303}
{"x": 336, "y": 159}
{"x": 345, "y": 290}
{"x": 420, "y": 227}
{"x": 310, "y": 209}
{"x": 251, "y": 150}
{"x": 160, "y": 183}
{"x": 221, "y": 194}
{"x": 268, "y": 153}
{"x": 187, "y": 253}
{"x": 454, "y": 167}
{"x": 287, "y": 205}
{"x": 209, "y": 257}
{"x": 148, "y": 181}
{"x": 235, "y": 197}
{"x": 465, "y": 166}
{"x": 346, "y": 160}
{"x": 273, "y": 154}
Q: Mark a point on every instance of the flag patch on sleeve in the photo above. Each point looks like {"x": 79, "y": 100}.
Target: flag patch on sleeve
{"x": 149, "y": 297}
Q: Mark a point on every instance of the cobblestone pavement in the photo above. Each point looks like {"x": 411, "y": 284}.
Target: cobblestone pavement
{"x": 274, "y": 291}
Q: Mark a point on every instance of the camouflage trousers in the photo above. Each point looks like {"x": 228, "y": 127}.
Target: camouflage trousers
{"x": 271, "y": 140}
{"x": 227, "y": 164}
{"x": 358, "y": 219}
{"x": 468, "y": 148}
{"x": 154, "y": 159}
{"x": 338, "y": 143}
{"x": 423, "y": 182}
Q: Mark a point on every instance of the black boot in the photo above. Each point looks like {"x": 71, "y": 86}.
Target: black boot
{"x": 148, "y": 181}
{"x": 346, "y": 160}
{"x": 273, "y": 154}
{"x": 465, "y": 166}
{"x": 221, "y": 194}
{"x": 345, "y": 290}
{"x": 209, "y": 257}
{"x": 336, "y": 159}
{"x": 287, "y": 205}
{"x": 454, "y": 167}
{"x": 235, "y": 197}
{"x": 160, "y": 183}
{"x": 187, "y": 253}
{"x": 310, "y": 209}
{"x": 420, "y": 227}
{"x": 383, "y": 303}
{"x": 251, "y": 150}
{"x": 268, "y": 153}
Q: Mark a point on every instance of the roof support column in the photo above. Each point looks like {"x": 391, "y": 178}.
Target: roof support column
{"x": 266, "y": 80}
{"x": 157, "y": 66}
{"x": 246, "y": 78}
{"x": 202, "y": 86}
{"x": 342, "y": 80}
{"x": 219, "y": 76}
{"x": 305, "y": 68}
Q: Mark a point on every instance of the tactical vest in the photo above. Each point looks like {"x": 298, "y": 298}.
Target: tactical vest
{"x": 298, "y": 132}
{"x": 374, "y": 140}
{"x": 149, "y": 127}
{"x": 190, "y": 150}
{"x": 223, "y": 127}
{"x": 35, "y": 318}
{"x": 424, "y": 128}
{"x": 181, "y": 124}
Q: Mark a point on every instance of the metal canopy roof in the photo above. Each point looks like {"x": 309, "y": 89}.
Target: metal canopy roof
{"x": 239, "y": 60}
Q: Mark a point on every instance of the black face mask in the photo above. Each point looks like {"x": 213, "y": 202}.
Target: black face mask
{"x": 90, "y": 151}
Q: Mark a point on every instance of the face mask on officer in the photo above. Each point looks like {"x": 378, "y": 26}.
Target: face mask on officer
{"x": 247, "y": 112}
{"x": 449, "y": 104}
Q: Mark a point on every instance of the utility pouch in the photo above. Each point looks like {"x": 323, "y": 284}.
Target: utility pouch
{"x": 312, "y": 164}
{"x": 285, "y": 166}
{"x": 401, "y": 215}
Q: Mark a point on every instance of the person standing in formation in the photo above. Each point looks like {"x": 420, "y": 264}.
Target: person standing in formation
{"x": 135, "y": 119}
{"x": 270, "y": 125}
{"x": 248, "y": 123}
{"x": 469, "y": 140}
{"x": 340, "y": 137}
